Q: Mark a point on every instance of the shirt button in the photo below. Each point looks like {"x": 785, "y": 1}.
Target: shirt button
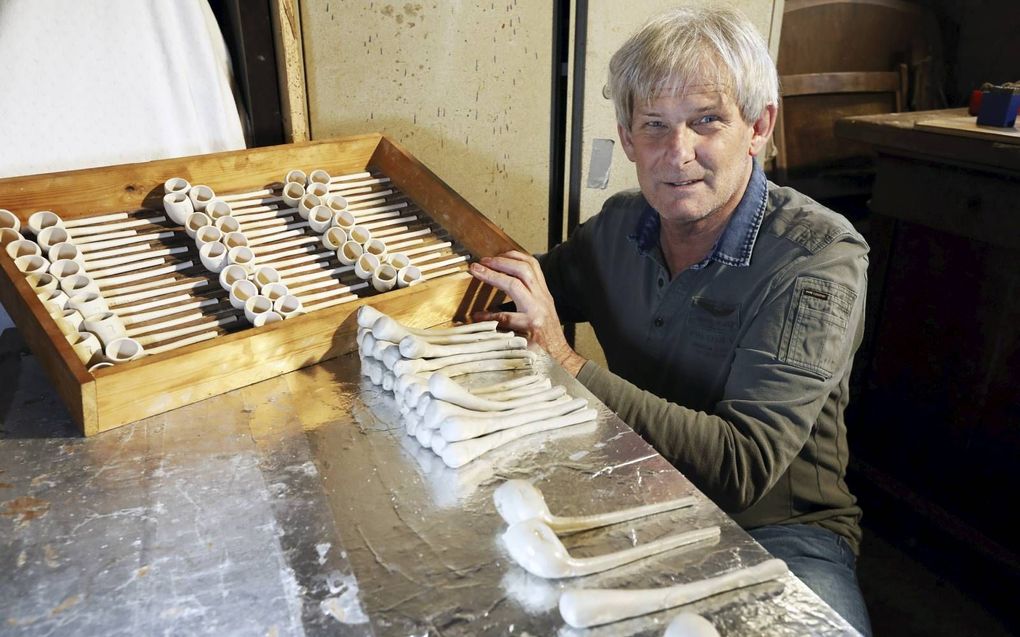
{"x": 661, "y": 282}
{"x": 659, "y": 322}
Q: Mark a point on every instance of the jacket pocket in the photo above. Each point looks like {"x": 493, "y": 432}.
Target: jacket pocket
{"x": 815, "y": 333}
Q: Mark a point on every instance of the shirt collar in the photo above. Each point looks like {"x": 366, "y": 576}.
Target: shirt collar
{"x": 735, "y": 244}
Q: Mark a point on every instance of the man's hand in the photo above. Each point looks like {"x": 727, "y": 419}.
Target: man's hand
{"x": 520, "y": 277}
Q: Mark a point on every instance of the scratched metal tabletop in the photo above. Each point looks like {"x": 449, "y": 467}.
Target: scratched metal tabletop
{"x": 299, "y": 506}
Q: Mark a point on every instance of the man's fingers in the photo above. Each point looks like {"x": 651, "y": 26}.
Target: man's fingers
{"x": 511, "y": 285}
{"x": 514, "y": 321}
{"x": 526, "y": 269}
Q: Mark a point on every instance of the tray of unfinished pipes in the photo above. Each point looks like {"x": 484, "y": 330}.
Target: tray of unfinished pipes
{"x": 145, "y": 287}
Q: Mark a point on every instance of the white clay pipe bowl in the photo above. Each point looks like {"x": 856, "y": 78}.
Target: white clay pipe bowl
{"x": 86, "y": 346}
{"x": 106, "y": 325}
{"x": 519, "y": 500}
{"x": 584, "y": 608}
{"x": 52, "y": 236}
{"x": 32, "y": 264}
{"x": 23, "y": 248}
{"x": 39, "y": 221}
{"x": 123, "y": 349}
{"x": 10, "y": 220}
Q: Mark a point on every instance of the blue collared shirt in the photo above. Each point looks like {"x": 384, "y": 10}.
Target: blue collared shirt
{"x": 735, "y": 244}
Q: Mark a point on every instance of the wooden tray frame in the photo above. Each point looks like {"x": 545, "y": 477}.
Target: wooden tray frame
{"x": 115, "y": 396}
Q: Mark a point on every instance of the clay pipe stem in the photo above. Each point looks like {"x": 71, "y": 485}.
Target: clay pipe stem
{"x": 88, "y": 221}
{"x": 464, "y": 427}
{"x": 117, "y": 243}
{"x": 403, "y": 366}
{"x": 81, "y": 231}
{"x": 135, "y": 318}
{"x": 150, "y": 289}
{"x": 133, "y": 258}
{"x": 141, "y": 276}
{"x": 389, "y": 329}
{"x": 303, "y": 239}
{"x": 438, "y": 411}
{"x": 191, "y": 340}
{"x": 413, "y": 346}
{"x": 145, "y": 330}
{"x": 333, "y": 302}
{"x": 443, "y": 388}
{"x": 457, "y": 454}
{"x": 519, "y": 500}
{"x": 165, "y": 336}
{"x": 105, "y": 273}
{"x": 513, "y": 383}
{"x": 583, "y": 608}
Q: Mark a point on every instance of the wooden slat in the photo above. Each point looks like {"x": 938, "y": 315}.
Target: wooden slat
{"x": 78, "y": 193}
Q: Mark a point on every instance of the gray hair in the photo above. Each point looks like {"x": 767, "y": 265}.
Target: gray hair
{"x": 688, "y": 46}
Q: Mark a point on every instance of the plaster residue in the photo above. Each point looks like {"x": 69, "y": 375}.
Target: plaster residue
{"x": 345, "y": 607}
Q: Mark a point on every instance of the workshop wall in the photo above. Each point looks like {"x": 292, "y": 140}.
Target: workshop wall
{"x": 464, "y": 86}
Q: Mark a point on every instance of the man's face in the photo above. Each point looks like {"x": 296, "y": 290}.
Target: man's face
{"x": 692, "y": 152}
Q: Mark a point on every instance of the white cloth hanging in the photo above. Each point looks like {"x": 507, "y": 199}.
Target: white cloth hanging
{"x": 100, "y": 82}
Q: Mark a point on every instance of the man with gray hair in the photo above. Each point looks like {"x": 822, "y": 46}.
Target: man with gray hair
{"x": 729, "y": 308}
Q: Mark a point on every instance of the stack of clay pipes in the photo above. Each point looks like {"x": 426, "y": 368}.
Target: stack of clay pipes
{"x": 298, "y": 228}
{"x": 459, "y": 425}
{"x": 109, "y": 283}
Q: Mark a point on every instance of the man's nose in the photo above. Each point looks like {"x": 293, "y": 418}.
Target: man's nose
{"x": 681, "y": 145}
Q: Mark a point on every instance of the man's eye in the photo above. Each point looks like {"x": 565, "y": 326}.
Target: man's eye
{"x": 655, "y": 124}
{"x": 707, "y": 119}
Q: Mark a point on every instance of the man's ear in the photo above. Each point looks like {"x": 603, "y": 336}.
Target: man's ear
{"x": 762, "y": 129}
{"x": 626, "y": 140}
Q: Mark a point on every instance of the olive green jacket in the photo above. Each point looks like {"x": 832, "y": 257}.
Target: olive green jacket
{"x": 737, "y": 369}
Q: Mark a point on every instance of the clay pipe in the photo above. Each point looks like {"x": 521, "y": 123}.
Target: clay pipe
{"x": 387, "y": 328}
{"x": 457, "y": 454}
{"x": 583, "y": 608}
{"x": 412, "y": 346}
{"x": 400, "y": 365}
{"x": 458, "y": 427}
{"x": 535, "y": 547}
{"x": 519, "y": 500}
{"x": 442, "y": 388}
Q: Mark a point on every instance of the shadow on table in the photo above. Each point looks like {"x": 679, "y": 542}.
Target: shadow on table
{"x": 29, "y": 406}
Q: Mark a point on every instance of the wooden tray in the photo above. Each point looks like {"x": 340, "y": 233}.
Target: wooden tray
{"x": 124, "y": 393}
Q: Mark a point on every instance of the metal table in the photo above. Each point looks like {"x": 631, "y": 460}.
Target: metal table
{"x": 299, "y": 506}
